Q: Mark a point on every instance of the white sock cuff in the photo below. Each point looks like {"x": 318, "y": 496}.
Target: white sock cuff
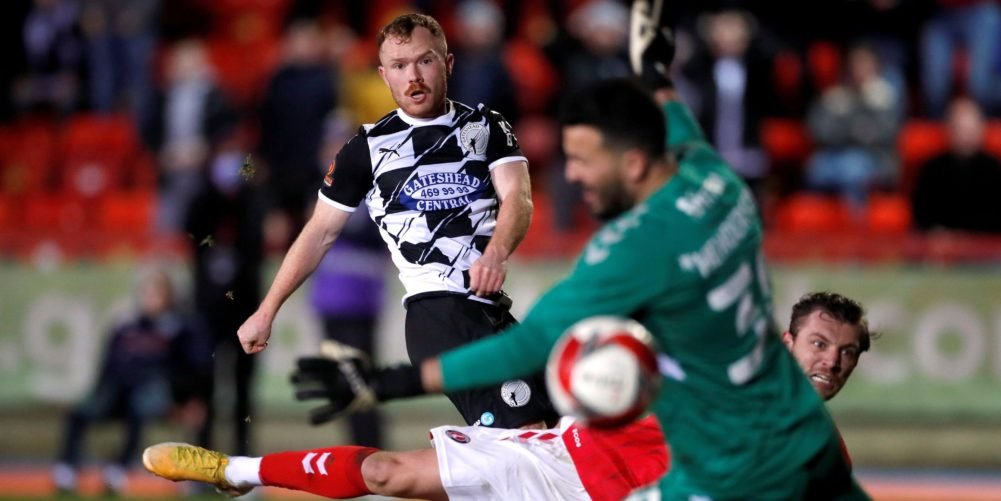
{"x": 242, "y": 471}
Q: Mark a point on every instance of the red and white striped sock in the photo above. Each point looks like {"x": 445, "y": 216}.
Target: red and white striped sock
{"x": 333, "y": 472}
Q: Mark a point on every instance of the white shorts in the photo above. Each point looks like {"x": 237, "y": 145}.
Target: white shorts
{"x": 479, "y": 463}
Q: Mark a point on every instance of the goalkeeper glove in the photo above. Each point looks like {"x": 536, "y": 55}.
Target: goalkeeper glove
{"x": 344, "y": 376}
{"x": 651, "y": 43}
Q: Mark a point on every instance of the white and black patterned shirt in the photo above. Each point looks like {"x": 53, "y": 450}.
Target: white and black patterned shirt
{"x": 427, "y": 186}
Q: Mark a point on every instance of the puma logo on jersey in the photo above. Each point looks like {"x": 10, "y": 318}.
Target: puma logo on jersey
{"x": 389, "y": 152}
{"x": 328, "y": 179}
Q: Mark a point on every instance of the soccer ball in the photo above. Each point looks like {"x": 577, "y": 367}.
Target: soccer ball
{"x": 603, "y": 371}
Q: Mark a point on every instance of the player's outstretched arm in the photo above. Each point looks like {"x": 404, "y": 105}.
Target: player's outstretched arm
{"x": 303, "y": 257}
{"x": 651, "y": 44}
{"x": 651, "y": 52}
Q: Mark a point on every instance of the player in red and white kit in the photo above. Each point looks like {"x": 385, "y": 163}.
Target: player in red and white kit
{"x": 569, "y": 462}
{"x": 827, "y": 334}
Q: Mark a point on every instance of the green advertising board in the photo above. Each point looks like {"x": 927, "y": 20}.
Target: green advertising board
{"x": 939, "y": 357}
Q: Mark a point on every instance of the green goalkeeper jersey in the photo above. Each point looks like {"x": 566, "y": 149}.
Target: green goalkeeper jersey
{"x": 738, "y": 413}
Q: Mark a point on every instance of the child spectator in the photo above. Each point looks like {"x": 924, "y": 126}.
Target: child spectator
{"x": 151, "y": 361}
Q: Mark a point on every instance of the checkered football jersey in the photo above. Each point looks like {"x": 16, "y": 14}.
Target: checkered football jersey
{"x": 427, "y": 186}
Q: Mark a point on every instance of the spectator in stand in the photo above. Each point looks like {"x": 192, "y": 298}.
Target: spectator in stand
{"x": 151, "y": 361}
{"x": 480, "y": 75}
{"x": 363, "y": 93}
{"x": 53, "y": 51}
{"x": 855, "y": 126}
{"x": 975, "y": 26}
{"x": 298, "y": 100}
{"x": 957, "y": 190}
{"x": 600, "y": 30}
{"x": 120, "y": 38}
{"x": 892, "y": 28}
{"x": 188, "y": 121}
{"x": 226, "y": 229}
{"x": 731, "y": 74}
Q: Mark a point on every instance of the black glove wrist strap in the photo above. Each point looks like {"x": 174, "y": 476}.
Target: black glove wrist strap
{"x": 399, "y": 381}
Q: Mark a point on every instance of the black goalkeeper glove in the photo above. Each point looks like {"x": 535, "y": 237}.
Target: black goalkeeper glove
{"x": 651, "y": 43}
{"x": 345, "y": 377}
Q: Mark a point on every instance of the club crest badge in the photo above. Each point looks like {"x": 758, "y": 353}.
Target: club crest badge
{"x": 457, "y": 436}
{"x": 473, "y": 138}
{"x": 516, "y": 393}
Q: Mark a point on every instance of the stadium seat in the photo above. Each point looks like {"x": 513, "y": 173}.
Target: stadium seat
{"x": 787, "y": 73}
{"x": 249, "y": 21}
{"x": 243, "y": 69}
{"x": 55, "y": 213}
{"x": 812, "y": 213}
{"x": 824, "y": 62}
{"x": 128, "y": 212}
{"x": 888, "y": 214}
{"x": 27, "y": 158}
{"x": 7, "y": 220}
{"x": 381, "y": 12}
{"x": 992, "y": 138}
{"x": 534, "y": 77}
{"x": 539, "y": 138}
{"x": 95, "y": 151}
{"x": 786, "y": 141}
{"x": 919, "y": 140}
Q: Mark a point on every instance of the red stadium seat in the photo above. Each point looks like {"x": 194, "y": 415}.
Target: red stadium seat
{"x": 243, "y": 69}
{"x": 248, "y": 21}
{"x": 810, "y": 213}
{"x": 534, "y": 77}
{"x": 786, "y": 141}
{"x": 888, "y": 214}
{"x": 129, "y": 212}
{"x": 824, "y": 62}
{"x": 27, "y": 158}
{"x": 919, "y": 140}
{"x": 55, "y": 213}
{"x": 787, "y": 72}
{"x": 95, "y": 151}
{"x": 7, "y": 219}
{"x": 992, "y": 138}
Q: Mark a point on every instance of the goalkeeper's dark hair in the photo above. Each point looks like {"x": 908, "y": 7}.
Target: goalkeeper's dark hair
{"x": 623, "y": 111}
{"x": 841, "y": 308}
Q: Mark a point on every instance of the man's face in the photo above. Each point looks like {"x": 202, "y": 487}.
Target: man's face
{"x": 598, "y": 171}
{"x": 416, "y": 72}
{"x": 827, "y": 350}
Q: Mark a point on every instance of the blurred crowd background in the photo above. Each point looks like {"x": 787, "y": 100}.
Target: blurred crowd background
{"x": 186, "y": 139}
{"x": 845, "y": 116}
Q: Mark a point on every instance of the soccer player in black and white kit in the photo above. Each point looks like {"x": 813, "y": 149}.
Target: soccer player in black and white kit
{"x": 448, "y": 187}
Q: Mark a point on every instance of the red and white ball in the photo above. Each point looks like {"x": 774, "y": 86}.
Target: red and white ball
{"x": 603, "y": 371}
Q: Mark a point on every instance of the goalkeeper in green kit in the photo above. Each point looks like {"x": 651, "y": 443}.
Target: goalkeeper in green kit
{"x": 681, "y": 253}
